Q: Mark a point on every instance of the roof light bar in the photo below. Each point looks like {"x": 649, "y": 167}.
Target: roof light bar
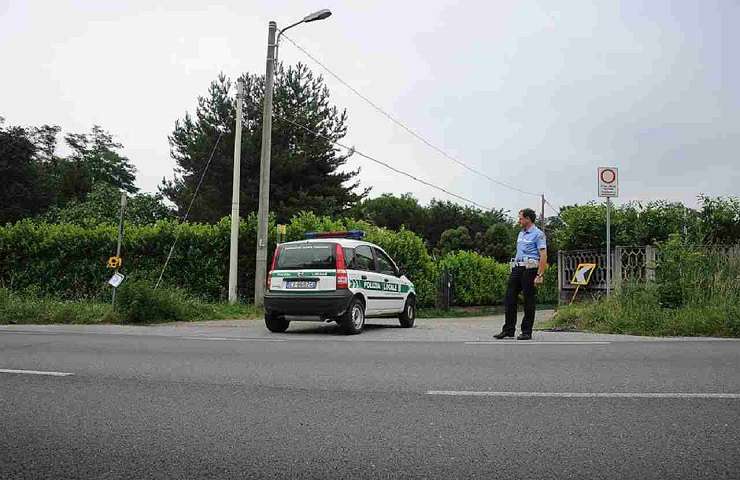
{"x": 351, "y": 234}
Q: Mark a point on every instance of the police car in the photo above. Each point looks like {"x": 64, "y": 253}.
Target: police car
{"x": 336, "y": 276}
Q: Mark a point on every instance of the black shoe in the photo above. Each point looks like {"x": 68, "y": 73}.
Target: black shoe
{"x": 524, "y": 336}
{"x": 502, "y": 335}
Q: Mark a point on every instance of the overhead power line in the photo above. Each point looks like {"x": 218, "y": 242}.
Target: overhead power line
{"x": 405, "y": 127}
{"x": 384, "y": 164}
{"x": 556, "y": 210}
{"x": 190, "y": 206}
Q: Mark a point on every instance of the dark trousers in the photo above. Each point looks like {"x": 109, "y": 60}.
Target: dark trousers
{"x": 520, "y": 280}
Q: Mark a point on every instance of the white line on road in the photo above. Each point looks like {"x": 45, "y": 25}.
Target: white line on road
{"x": 36, "y": 372}
{"x": 464, "y": 393}
{"x": 524, "y": 344}
{"x": 234, "y": 339}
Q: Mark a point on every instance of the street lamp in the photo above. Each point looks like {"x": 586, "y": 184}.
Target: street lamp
{"x": 264, "y": 193}
{"x": 315, "y": 16}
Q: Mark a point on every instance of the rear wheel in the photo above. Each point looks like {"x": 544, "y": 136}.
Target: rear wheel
{"x": 354, "y": 318}
{"x": 408, "y": 316}
{"x": 275, "y": 322}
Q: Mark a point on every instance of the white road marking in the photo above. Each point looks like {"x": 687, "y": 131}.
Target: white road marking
{"x": 26, "y": 332}
{"x": 36, "y": 372}
{"x": 525, "y": 343}
{"x": 464, "y": 393}
{"x": 235, "y": 339}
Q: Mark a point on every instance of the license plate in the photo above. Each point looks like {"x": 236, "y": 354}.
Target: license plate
{"x": 300, "y": 284}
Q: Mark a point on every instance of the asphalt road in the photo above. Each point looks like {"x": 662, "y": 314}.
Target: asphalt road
{"x": 229, "y": 400}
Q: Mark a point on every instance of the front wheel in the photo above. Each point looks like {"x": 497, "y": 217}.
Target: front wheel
{"x": 276, "y": 323}
{"x": 354, "y": 318}
{"x": 408, "y": 316}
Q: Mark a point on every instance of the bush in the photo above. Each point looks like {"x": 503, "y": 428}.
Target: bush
{"x": 547, "y": 293}
{"x": 139, "y": 302}
{"x": 477, "y": 280}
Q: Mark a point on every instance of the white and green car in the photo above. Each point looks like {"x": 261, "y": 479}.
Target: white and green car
{"x": 335, "y": 276}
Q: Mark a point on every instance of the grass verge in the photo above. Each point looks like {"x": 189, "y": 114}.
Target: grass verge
{"x": 132, "y": 307}
{"x": 639, "y": 313}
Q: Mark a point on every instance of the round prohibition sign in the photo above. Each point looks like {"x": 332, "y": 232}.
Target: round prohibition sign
{"x": 608, "y": 175}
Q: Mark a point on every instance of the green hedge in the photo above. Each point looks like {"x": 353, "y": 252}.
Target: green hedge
{"x": 68, "y": 261}
{"x": 548, "y": 291}
{"x": 480, "y": 280}
{"x": 477, "y": 280}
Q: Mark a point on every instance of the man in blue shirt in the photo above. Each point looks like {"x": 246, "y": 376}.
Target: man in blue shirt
{"x": 527, "y": 270}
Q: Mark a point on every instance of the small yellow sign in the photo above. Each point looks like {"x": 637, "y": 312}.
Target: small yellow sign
{"x": 583, "y": 273}
{"x": 115, "y": 262}
{"x": 282, "y": 229}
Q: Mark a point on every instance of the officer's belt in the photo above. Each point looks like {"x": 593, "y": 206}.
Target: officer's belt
{"x": 529, "y": 263}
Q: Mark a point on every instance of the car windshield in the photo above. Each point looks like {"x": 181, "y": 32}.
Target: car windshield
{"x": 312, "y": 256}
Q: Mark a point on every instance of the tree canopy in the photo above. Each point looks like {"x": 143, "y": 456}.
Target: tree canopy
{"x": 306, "y": 169}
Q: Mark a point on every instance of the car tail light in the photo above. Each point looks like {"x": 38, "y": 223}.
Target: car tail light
{"x": 342, "y": 278}
{"x": 272, "y": 267}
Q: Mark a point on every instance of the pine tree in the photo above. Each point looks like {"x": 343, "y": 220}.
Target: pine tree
{"x": 306, "y": 169}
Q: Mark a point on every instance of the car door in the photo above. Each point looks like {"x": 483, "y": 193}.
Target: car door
{"x": 392, "y": 298}
{"x": 370, "y": 282}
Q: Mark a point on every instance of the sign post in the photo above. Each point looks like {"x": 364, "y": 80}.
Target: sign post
{"x": 581, "y": 276}
{"x": 608, "y": 179}
{"x": 117, "y": 263}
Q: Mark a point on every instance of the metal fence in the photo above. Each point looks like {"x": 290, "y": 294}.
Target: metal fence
{"x": 635, "y": 264}
{"x": 629, "y": 264}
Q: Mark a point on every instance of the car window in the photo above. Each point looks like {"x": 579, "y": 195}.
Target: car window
{"x": 306, "y": 256}
{"x": 349, "y": 257}
{"x": 385, "y": 264}
{"x": 364, "y": 259}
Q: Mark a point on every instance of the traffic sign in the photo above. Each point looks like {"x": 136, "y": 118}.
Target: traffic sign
{"x": 583, "y": 273}
{"x": 116, "y": 280}
{"x": 608, "y": 178}
{"x": 115, "y": 262}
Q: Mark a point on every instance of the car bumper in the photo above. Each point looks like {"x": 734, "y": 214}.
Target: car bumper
{"x": 329, "y": 304}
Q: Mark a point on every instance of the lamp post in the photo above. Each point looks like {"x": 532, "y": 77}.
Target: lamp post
{"x": 264, "y": 192}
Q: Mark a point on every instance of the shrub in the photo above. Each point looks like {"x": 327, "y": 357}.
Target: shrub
{"x": 139, "y": 302}
{"x": 548, "y": 292}
{"x": 477, "y": 280}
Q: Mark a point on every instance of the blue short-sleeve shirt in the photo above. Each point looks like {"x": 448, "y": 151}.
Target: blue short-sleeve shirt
{"x": 529, "y": 242}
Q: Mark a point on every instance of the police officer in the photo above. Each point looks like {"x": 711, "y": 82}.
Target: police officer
{"x": 527, "y": 271}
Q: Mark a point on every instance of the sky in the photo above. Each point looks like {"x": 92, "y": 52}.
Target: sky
{"x": 535, "y": 94}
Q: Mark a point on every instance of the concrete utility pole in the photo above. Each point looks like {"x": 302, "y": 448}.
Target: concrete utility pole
{"x": 542, "y": 213}
{"x": 234, "y": 251}
{"x": 264, "y": 196}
